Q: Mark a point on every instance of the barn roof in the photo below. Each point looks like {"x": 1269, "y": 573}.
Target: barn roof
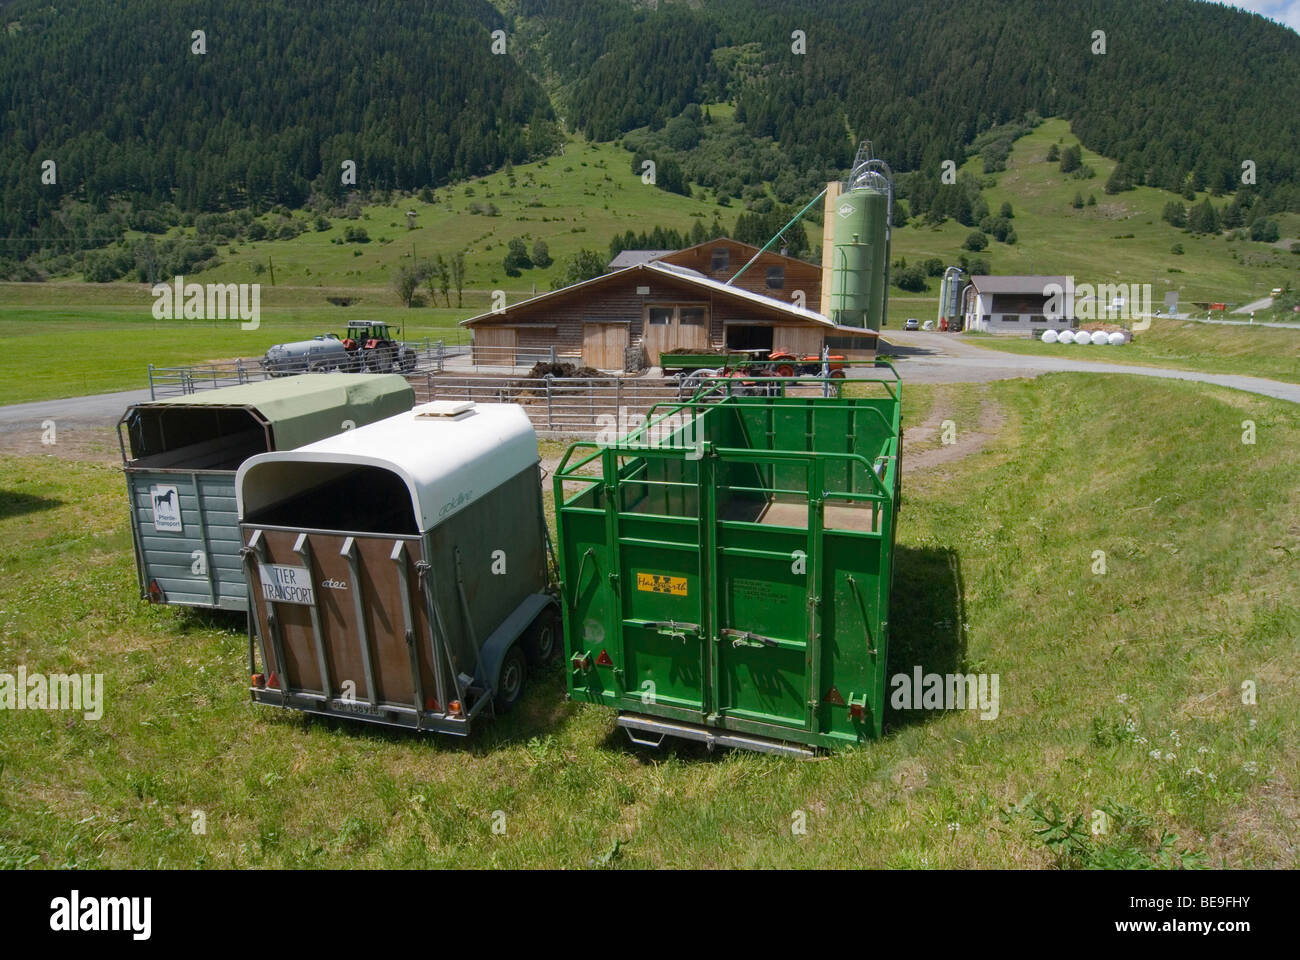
{"x": 630, "y": 258}
{"x": 1015, "y": 284}
{"x": 681, "y": 274}
{"x": 749, "y": 248}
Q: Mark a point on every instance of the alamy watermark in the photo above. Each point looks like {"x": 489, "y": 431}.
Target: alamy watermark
{"x": 1120, "y": 302}
{"x": 950, "y": 691}
{"x": 75, "y": 913}
{"x": 211, "y": 301}
{"x": 55, "y": 691}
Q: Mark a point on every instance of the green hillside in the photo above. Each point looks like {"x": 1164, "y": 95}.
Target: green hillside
{"x": 100, "y": 336}
{"x": 583, "y": 198}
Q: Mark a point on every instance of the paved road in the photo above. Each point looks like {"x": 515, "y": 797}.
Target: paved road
{"x": 926, "y": 358}
{"x": 947, "y": 358}
{"x": 1244, "y": 323}
{"x": 98, "y": 409}
{"x": 1262, "y": 304}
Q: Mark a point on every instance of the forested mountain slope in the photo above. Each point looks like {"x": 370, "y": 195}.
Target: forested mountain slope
{"x": 138, "y": 122}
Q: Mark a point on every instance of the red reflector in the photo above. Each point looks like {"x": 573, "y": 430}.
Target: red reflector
{"x": 259, "y": 680}
{"x": 603, "y": 660}
{"x": 856, "y": 711}
{"x": 453, "y": 708}
{"x": 833, "y": 696}
{"x": 273, "y": 682}
{"x": 431, "y": 704}
{"x": 156, "y": 594}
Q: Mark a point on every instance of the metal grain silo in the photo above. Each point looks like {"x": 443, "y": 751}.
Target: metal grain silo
{"x": 860, "y": 259}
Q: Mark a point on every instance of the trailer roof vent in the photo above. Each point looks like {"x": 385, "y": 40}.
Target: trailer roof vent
{"x": 443, "y": 409}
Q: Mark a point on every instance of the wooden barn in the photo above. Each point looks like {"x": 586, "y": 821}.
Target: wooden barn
{"x": 772, "y": 274}
{"x": 660, "y": 305}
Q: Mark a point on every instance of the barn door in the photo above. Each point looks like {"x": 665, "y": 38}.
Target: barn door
{"x": 804, "y": 341}
{"x": 495, "y": 345}
{"x": 672, "y": 327}
{"x": 603, "y": 345}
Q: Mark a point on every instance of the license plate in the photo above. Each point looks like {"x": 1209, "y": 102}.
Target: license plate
{"x": 285, "y": 584}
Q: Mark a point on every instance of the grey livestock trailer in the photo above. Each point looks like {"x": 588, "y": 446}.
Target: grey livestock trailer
{"x": 180, "y": 457}
{"x": 399, "y": 571}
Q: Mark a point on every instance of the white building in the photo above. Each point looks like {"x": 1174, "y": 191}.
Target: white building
{"x": 1011, "y": 304}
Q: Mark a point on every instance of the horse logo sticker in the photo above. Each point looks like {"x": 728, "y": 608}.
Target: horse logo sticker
{"x": 166, "y": 502}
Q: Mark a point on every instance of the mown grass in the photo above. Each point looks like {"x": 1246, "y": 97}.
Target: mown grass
{"x": 1209, "y": 348}
{"x": 64, "y": 352}
{"x": 1097, "y": 671}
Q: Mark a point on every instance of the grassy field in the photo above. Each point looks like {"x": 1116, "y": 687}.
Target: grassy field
{"x": 1210, "y": 348}
{"x": 1120, "y": 692}
{"x": 109, "y": 348}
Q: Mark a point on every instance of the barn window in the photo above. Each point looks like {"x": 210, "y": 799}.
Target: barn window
{"x": 661, "y": 316}
{"x": 721, "y": 258}
{"x": 776, "y": 278}
{"x": 1010, "y": 318}
{"x": 692, "y": 316}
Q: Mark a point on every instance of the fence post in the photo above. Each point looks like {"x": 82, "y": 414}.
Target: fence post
{"x": 619, "y": 419}
{"x": 549, "y": 419}
{"x": 554, "y": 355}
{"x": 152, "y": 395}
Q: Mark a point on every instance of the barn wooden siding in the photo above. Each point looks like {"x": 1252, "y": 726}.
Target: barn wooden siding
{"x": 798, "y": 274}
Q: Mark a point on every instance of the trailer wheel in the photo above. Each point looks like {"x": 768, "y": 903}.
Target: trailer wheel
{"x": 542, "y": 639}
{"x": 510, "y": 682}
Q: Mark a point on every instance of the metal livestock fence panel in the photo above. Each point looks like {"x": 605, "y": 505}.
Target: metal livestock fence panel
{"x": 431, "y": 357}
{"x": 561, "y": 405}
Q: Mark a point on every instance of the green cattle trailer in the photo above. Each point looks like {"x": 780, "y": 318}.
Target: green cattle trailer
{"x": 180, "y": 456}
{"x": 726, "y": 569}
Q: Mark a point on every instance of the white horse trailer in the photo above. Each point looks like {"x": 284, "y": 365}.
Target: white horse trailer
{"x": 399, "y": 571}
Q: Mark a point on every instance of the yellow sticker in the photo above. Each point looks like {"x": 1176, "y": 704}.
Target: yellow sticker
{"x": 658, "y": 583}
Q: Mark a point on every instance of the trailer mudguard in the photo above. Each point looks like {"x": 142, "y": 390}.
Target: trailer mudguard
{"x": 501, "y": 639}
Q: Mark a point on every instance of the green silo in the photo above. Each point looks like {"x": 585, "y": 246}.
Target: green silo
{"x": 860, "y": 265}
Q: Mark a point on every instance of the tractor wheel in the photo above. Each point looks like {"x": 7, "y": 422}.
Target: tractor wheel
{"x": 785, "y": 370}
{"x": 542, "y": 639}
{"x": 510, "y": 681}
{"x": 838, "y": 374}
